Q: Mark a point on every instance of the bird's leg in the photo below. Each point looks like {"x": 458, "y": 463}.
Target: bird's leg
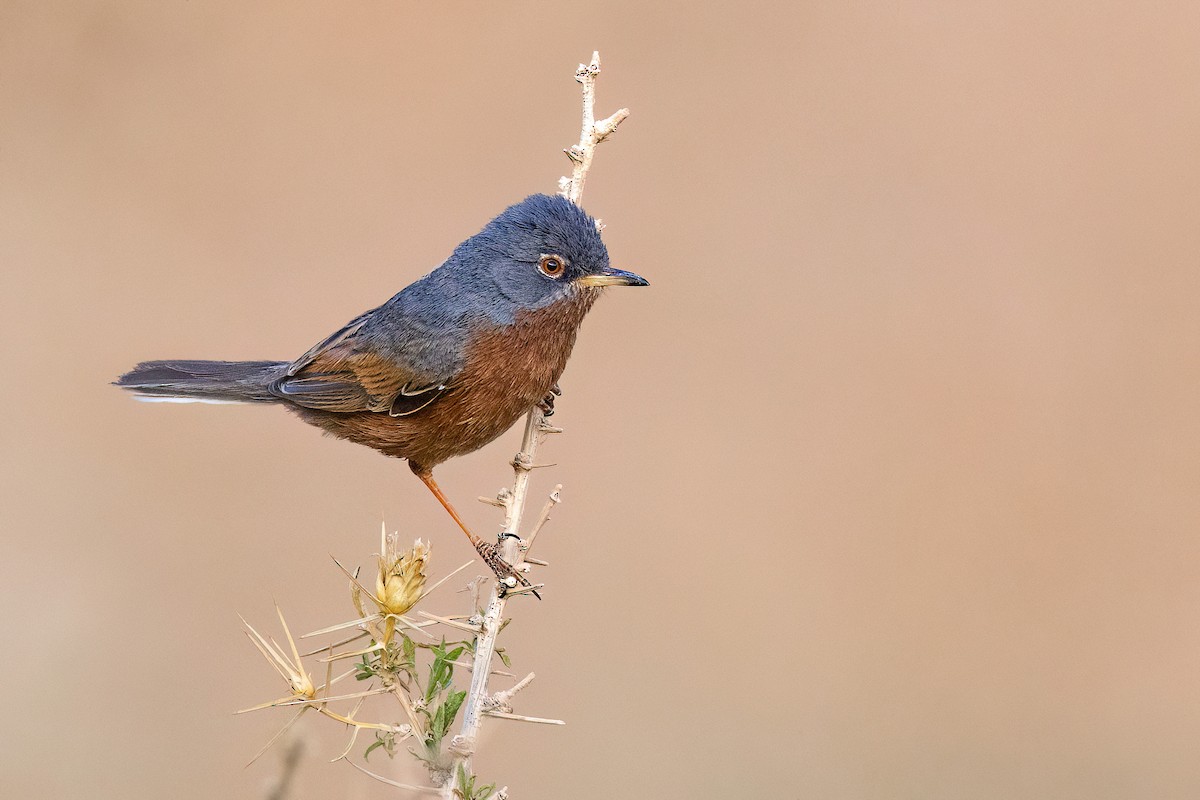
{"x": 547, "y": 403}
{"x": 488, "y": 551}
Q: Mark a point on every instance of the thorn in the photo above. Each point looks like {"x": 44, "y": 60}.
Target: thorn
{"x": 471, "y": 667}
{"x": 398, "y": 785}
{"x": 453, "y": 623}
{"x": 523, "y": 718}
{"x": 425, "y": 593}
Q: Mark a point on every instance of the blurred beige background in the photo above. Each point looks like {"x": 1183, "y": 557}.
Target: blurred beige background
{"x": 887, "y": 488}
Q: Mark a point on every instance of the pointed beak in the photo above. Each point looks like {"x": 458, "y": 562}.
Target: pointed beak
{"x": 610, "y": 276}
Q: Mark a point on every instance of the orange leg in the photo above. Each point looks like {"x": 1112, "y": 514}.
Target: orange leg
{"x": 487, "y": 551}
{"x": 427, "y": 479}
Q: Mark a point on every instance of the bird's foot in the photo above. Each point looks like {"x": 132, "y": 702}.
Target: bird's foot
{"x": 547, "y": 403}
{"x": 506, "y": 573}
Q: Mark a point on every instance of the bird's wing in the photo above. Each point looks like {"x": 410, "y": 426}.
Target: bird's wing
{"x": 346, "y": 373}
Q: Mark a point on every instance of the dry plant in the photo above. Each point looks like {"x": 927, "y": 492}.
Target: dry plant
{"x": 402, "y": 660}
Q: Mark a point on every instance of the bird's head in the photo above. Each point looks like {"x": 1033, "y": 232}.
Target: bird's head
{"x": 539, "y": 251}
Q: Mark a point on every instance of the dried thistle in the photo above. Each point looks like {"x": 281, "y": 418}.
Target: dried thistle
{"x": 401, "y": 578}
{"x": 399, "y": 583}
{"x": 304, "y": 693}
{"x": 290, "y": 669}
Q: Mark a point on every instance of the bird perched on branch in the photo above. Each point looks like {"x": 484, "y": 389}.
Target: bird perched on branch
{"x": 445, "y": 366}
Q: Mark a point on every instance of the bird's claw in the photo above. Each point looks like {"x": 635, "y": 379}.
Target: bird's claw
{"x": 547, "y": 402}
{"x": 503, "y": 571}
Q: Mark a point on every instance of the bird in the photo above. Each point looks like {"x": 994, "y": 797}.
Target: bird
{"x": 446, "y": 365}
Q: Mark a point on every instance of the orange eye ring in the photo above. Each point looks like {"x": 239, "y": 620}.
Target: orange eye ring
{"x": 552, "y": 266}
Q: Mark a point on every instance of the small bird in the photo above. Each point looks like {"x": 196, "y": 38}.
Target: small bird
{"x": 445, "y": 366}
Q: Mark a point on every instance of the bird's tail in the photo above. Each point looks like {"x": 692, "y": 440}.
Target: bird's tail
{"x": 203, "y": 381}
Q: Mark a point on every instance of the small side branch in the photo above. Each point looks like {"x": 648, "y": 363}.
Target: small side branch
{"x": 591, "y": 133}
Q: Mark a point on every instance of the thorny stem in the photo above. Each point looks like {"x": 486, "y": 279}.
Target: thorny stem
{"x": 477, "y": 702}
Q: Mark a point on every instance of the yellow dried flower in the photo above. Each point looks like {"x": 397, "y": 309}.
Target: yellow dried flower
{"x": 399, "y": 584}
{"x": 401, "y": 578}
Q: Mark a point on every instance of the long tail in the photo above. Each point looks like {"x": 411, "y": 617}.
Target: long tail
{"x": 204, "y": 381}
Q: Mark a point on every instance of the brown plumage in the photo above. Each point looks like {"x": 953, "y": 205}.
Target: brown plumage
{"x": 445, "y": 366}
{"x": 508, "y": 370}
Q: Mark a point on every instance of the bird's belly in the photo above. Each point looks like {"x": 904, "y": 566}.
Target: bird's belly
{"x": 508, "y": 370}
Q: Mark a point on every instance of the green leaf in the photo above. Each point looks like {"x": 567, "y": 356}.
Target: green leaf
{"x": 385, "y": 740}
{"x": 408, "y": 662}
{"x": 453, "y": 704}
{"x": 364, "y": 669}
{"x": 437, "y": 671}
{"x": 439, "y": 726}
{"x": 409, "y": 648}
{"x": 504, "y": 657}
{"x": 443, "y": 720}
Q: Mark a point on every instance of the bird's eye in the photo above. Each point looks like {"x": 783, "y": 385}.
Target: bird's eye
{"x": 552, "y": 266}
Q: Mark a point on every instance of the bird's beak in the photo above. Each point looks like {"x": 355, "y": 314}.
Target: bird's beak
{"x": 610, "y": 276}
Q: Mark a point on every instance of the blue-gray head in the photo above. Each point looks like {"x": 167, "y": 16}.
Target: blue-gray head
{"x": 537, "y": 252}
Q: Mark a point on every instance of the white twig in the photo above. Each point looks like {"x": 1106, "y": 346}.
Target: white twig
{"x": 591, "y": 132}
{"x": 523, "y": 718}
{"x": 479, "y": 702}
{"x": 554, "y": 499}
{"x": 500, "y": 700}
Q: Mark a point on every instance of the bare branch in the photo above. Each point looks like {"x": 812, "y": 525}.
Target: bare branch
{"x": 478, "y": 700}
{"x": 591, "y": 132}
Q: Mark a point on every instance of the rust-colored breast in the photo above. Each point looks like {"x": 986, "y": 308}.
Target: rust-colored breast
{"x": 508, "y": 369}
